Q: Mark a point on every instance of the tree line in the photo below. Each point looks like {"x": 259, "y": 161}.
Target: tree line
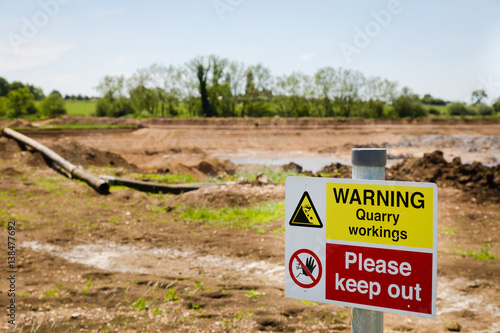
{"x": 18, "y": 99}
{"x": 212, "y": 86}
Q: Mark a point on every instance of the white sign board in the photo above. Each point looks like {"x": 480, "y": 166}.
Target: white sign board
{"x": 362, "y": 243}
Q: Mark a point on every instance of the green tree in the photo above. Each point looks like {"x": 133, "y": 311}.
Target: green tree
{"x": 457, "y": 109}
{"x": 189, "y": 87}
{"x": 21, "y": 102}
{"x": 16, "y": 85}
{"x": 236, "y": 79}
{"x": 201, "y": 67}
{"x": 56, "y": 92}
{"x": 143, "y": 99}
{"x": 326, "y": 80}
{"x": 485, "y": 110}
{"x": 220, "y": 91}
{"x": 4, "y": 87}
{"x": 37, "y": 92}
{"x": 170, "y": 87}
{"x": 113, "y": 103}
{"x": 378, "y": 92}
{"x": 289, "y": 93}
{"x": 350, "y": 84}
{"x": 143, "y": 95}
{"x": 53, "y": 105}
{"x": 478, "y": 96}
{"x": 250, "y": 91}
{"x": 119, "y": 107}
{"x": 409, "y": 105}
{"x": 496, "y": 105}
{"x": 262, "y": 77}
{"x": 4, "y": 106}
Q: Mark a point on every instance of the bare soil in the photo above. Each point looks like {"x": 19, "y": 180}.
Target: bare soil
{"x": 128, "y": 261}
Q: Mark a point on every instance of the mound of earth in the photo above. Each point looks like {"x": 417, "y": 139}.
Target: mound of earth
{"x": 70, "y": 150}
{"x": 336, "y": 170}
{"x": 79, "y": 154}
{"x": 230, "y": 196}
{"x": 10, "y": 172}
{"x": 211, "y": 167}
{"x": 8, "y": 148}
{"x": 18, "y": 123}
{"x": 482, "y": 181}
{"x": 214, "y": 167}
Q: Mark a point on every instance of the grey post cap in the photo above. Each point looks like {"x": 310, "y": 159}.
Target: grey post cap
{"x": 368, "y": 156}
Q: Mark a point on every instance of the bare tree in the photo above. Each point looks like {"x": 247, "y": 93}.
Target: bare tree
{"x": 350, "y": 83}
{"x": 326, "y": 80}
{"x": 236, "y": 75}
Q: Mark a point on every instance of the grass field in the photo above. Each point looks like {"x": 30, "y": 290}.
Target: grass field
{"x": 81, "y": 108}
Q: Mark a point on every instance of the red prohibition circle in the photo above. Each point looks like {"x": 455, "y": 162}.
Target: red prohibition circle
{"x": 290, "y": 268}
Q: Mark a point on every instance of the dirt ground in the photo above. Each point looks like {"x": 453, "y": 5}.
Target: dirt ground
{"x": 130, "y": 262}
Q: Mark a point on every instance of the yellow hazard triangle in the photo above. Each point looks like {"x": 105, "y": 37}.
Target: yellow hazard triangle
{"x": 305, "y": 214}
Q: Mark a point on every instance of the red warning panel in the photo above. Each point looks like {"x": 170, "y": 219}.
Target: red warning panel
{"x": 393, "y": 279}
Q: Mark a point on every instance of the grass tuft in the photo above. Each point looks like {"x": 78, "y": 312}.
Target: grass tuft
{"x": 253, "y": 217}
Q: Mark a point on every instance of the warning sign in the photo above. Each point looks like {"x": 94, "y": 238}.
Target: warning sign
{"x": 377, "y": 250}
{"x": 305, "y": 214}
{"x": 305, "y": 268}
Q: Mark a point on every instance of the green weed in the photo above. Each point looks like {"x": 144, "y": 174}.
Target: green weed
{"x": 171, "y": 296}
{"x": 85, "y": 290}
{"x": 157, "y": 312}
{"x": 141, "y": 304}
{"x": 199, "y": 285}
{"x": 253, "y": 217}
{"x": 53, "y": 292}
{"x": 240, "y": 315}
{"x": 253, "y": 294}
{"x": 196, "y": 307}
{"x": 483, "y": 254}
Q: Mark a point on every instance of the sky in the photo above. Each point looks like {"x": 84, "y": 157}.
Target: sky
{"x": 447, "y": 48}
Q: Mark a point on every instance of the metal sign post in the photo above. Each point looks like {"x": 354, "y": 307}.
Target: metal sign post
{"x": 368, "y": 163}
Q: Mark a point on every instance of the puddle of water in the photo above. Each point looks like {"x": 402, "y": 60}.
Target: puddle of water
{"x": 313, "y": 164}
{"x": 468, "y": 143}
{"x": 159, "y": 261}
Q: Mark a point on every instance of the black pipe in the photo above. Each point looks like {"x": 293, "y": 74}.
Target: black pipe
{"x": 98, "y": 184}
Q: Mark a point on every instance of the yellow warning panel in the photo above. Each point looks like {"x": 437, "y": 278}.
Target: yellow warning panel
{"x": 305, "y": 214}
{"x": 382, "y": 214}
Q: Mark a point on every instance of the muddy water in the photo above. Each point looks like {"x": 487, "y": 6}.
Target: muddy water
{"x": 163, "y": 261}
{"x": 482, "y": 148}
{"x": 313, "y": 164}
